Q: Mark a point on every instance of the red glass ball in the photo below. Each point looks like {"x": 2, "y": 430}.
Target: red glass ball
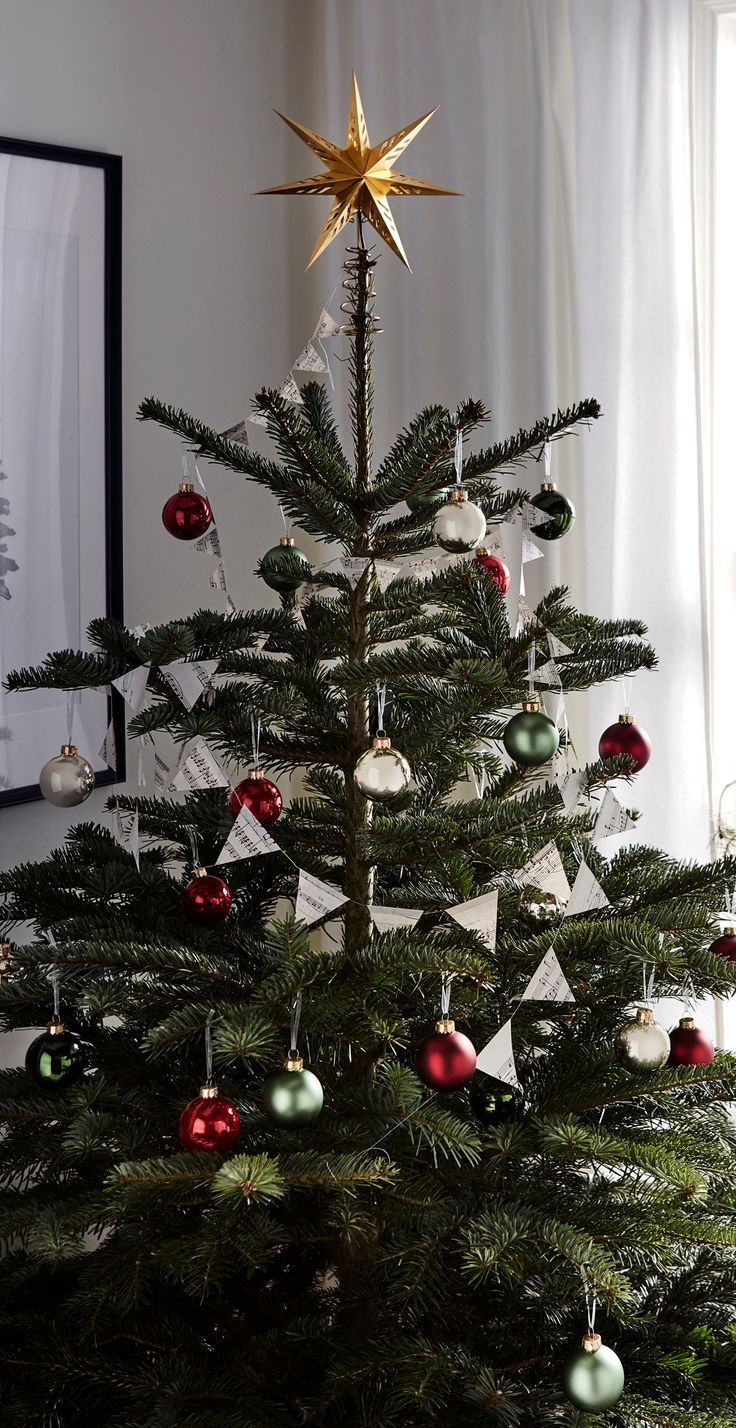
{"x": 628, "y": 739}
{"x": 209, "y": 1123}
{"x": 446, "y": 1060}
{"x": 260, "y": 795}
{"x": 206, "y": 900}
{"x": 496, "y": 568}
{"x": 689, "y": 1046}
{"x": 187, "y": 515}
{"x": 725, "y": 946}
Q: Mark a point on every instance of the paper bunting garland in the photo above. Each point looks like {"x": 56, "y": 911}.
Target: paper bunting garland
{"x": 247, "y": 839}
{"x": 556, "y": 648}
{"x": 315, "y": 899}
{"x": 133, "y": 686}
{"x": 189, "y": 678}
{"x": 390, "y": 919}
{"x": 545, "y": 871}
{"x": 587, "y": 894}
{"x": 549, "y": 983}
{"x": 108, "y": 749}
{"x": 497, "y": 1057}
{"x": 612, "y": 817}
{"x": 200, "y": 769}
{"x": 479, "y": 915}
{"x": 571, "y": 787}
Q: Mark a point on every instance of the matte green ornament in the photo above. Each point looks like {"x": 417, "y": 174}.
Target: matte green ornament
{"x": 426, "y": 502}
{"x": 554, "y": 504}
{"x": 292, "y": 1096}
{"x": 530, "y": 737}
{"x": 593, "y": 1377}
{"x": 56, "y": 1058}
{"x": 277, "y": 565}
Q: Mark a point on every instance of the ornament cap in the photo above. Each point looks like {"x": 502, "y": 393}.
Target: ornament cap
{"x": 382, "y": 741}
{"x": 55, "y": 1026}
{"x": 294, "y": 1062}
{"x": 482, "y": 550}
{"x": 687, "y": 1023}
{"x": 592, "y": 1343}
{"x": 729, "y": 932}
{"x": 644, "y": 1016}
{"x": 209, "y": 1091}
{"x": 458, "y": 496}
{"x": 548, "y": 486}
{"x": 186, "y": 487}
{"x": 256, "y": 772}
{"x": 531, "y": 705}
{"x": 444, "y": 1025}
{"x": 626, "y": 718}
{"x": 286, "y": 540}
{"x": 69, "y": 751}
{"x": 199, "y": 872}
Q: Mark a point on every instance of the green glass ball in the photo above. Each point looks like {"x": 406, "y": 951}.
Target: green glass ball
{"x": 556, "y": 505}
{"x": 425, "y": 503}
{"x": 56, "y": 1058}
{"x": 292, "y": 1098}
{"x": 494, "y": 1102}
{"x": 593, "y": 1380}
{"x": 277, "y": 567}
{"x": 531, "y": 738}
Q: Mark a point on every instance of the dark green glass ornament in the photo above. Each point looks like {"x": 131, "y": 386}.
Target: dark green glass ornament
{"x": 593, "y": 1377}
{"x": 56, "y": 1058}
{"x": 494, "y": 1102}
{"x": 554, "y": 504}
{"x": 530, "y": 737}
{"x": 292, "y": 1096}
{"x": 277, "y": 565}
{"x": 426, "y": 502}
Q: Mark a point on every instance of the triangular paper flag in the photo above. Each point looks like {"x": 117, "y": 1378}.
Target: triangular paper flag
{"x": 353, "y": 566}
{"x": 612, "y": 817}
{"x": 388, "y": 919}
{"x": 218, "y": 579}
{"x": 237, "y": 433}
{"x": 326, "y": 327}
{"x": 108, "y": 751}
{"x": 549, "y": 983}
{"x": 571, "y": 787}
{"x": 209, "y": 543}
{"x": 479, "y": 915}
{"x": 309, "y": 360}
{"x": 385, "y": 572}
{"x": 132, "y": 686}
{"x": 530, "y": 550}
{"x": 122, "y": 823}
{"x": 545, "y": 871}
{"x": 189, "y": 678}
{"x": 497, "y": 1058}
{"x": 290, "y": 392}
{"x": 548, "y": 673}
{"x": 247, "y": 839}
{"x": 533, "y": 516}
{"x": 587, "y": 894}
{"x": 314, "y": 899}
{"x": 258, "y": 419}
{"x": 161, "y": 772}
{"x": 556, "y": 647}
{"x": 200, "y": 769}
{"x": 134, "y": 840}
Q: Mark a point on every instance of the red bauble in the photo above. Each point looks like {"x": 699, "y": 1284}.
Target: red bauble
{"x": 209, "y": 1122}
{"x": 626, "y": 737}
{"x": 725, "y": 945}
{"x": 206, "y": 899}
{"x": 446, "y": 1059}
{"x": 188, "y": 514}
{"x": 258, "y": 794}
{"x": 495, "y": 567}
{"x": 689, "y": 1046}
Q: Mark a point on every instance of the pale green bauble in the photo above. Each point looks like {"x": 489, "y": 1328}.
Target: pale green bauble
{"x": 593, "y": 1377}
{"x": 292, "y": 1097}
{"x": 530, "y": 737}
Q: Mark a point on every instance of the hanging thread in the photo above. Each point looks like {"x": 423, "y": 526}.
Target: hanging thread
{"x": 459, "y": 457}
{"x": 531, "y": 662}
{"x": 296, "y": 1013}
{"x": 591, "y": 1303}
{"x": 381, "y": 707}
{"x": 255, "y": 735}
{"x": 547, "y": 458}
{"x": 55, "y": 980}
{"x": 208, "y": 1047}
{"x": 626, "y": 687}
{"x": 445, "y": 993}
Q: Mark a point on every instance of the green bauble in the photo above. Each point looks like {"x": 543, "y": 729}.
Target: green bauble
{"x": 427, "y": 502}
{"x": 552, "y": 501}
{"x": 292, "y": 1096}
{"x": 593, "y": 1377}
{"x": 530, "y": 737}
{"x": 56, "y": 1058}
{"x": 279, "y": 566}
{"x": 494, "y": 1102}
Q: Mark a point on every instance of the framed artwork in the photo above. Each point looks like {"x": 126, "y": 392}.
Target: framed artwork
{"x": 60, "y": 442}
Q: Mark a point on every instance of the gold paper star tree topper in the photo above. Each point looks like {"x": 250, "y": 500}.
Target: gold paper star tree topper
{"x": 360, "y": 177}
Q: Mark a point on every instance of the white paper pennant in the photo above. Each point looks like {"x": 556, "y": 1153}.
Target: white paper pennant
{"x": 326, "y": 327}
{"x": 388, "y": 919}
{"x": 556, "y": 647}
{"x": 247, "y": 839}
{"x": 612, "y": 817}
{"x": 386, "y": 571}
{"x": 529, "y": 549}
{"x": 237, "y": 433}
{"x": 290, "y": 392}
{"x": 200, "y": 769}
{"x": 497, "y": 1057}
{"x": 230, "y": 609}
{"x": 533, "y": 516}
{"x": 587, "y": 894}
{"x": 134, "y": 842}
{"x": 315, "y": 899}
{"x": 108, "y": 750}
{"x": 525, "y": 616}
{"x": 133, "y": 686}
{"x": 549, "y": 674}
{"x": 122, "y": 822}
{"x": 218, "y": 579}
{"x": 545, "y": 871}
{"x": 258, "y": 419}
{"x": 353, "y": 566}
{"x": 479, "y": 914}
{"x": 549, "y": 983}
{"x": 309, "y": 360}
{"x": 571, "y": 787}
{"x": 189, "y": 678}
{"x": 209, "y": 543}
{"x": 161, "y": 772}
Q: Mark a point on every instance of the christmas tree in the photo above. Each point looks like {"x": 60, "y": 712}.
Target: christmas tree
{"x": 376, "y": 1232}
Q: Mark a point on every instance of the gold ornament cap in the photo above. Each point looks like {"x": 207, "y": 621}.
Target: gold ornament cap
{"x": 69, "y": 751}
{"x": 644, "y": 1016}
{"x": 256, "y": 772}
{"x": 626, "y": 718}
{"x": 531, "y": 705}
{"x": 294, "y": 1062}
{"x": 687, "y": 1023}
{"x": 444, "y": 1025}
{"x": 592, "y": 1343}
{"x": 186, "y": 488}
{"x": 382, "y": 741}
{"x": 209, "y": 1091}
{"x": 482, "y": 550}
{"x": 548, "y": 486}
{"x": 728, "y": 932}
{"x": 458, "y": 496}
{"x": 286, "y": 540}
{"x": 199, "y": 872}
{"x": 55, "y": 1026}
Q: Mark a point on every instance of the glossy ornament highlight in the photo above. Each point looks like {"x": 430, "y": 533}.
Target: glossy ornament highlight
{"x": 642, "y": 1044}
{"x": 531, "y": 738}
{"x": 206, "y": 900}
{"x": 494, "y": 567}
{"x": 446, "y": 1059}
{"x": 277, "y": 567}
{"x": 56, "y": 1058}
{"x": 209, "y": 1122}
{"x": 260, "y": 795}
{"x": 426, "y": 504}
{"x": 67, "y": 779}
{"x": 554, "y": 504}
{"x": 382, "y": 773}
{"x": 460, "y": 525}
{"x": 689, "y": 1046}
{"x": 725, "y": 945}
{"x": 593, "y": 1377}
{"x": 625, "y": 737}
{"x": 187, "y": 514}
{"x": 292, "y": 1097}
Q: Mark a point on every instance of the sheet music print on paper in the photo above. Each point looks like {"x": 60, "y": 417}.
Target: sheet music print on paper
{"x": 390, "y": 919}
{"x": 497, "y": 1057}
{"x": 549, "y": 983}
{"x": 545, "y": 871}
{"x": 612, "y": 818}
{"x": 200, "y": 769}
{"x": 189, "y": 678}
{"x": 133, "y": 685}
{"x": 587, "y": 894}
{"x": 479, "y": 915}
{"x": 314, "y": 899}
{"x": 247, "y": 839}
{"x": 571, "y": 787}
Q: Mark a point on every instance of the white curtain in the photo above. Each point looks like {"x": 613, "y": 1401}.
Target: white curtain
{"x": 566, "y": 270}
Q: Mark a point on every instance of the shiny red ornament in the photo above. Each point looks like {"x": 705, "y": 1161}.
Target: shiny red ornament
{"x": 446, "y": 1059}
{"x": 209, "y": 1122}
{"x": 725, "y": 945}
{"x": 187, "y": 514}
{"x": 689, "y": 1046}
{"x": 206, "y": 899}
{"x": 495, "y": 567}
{"x": 258, "y": 794}
{"x": 626, "y": 737}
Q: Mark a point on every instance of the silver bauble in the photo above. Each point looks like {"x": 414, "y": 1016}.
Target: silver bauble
{"x": 460, "y": 525}
{"x": 642, "y": 1044}
{"x": 382, "y": 773}
{"x": 537, "y": 909}
{"x": 67, "y": 779}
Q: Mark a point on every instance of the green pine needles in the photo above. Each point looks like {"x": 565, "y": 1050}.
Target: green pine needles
{"x": 397, "y": 1263}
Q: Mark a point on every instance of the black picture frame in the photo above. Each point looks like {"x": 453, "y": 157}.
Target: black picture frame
{"x": 110, "y": 166}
